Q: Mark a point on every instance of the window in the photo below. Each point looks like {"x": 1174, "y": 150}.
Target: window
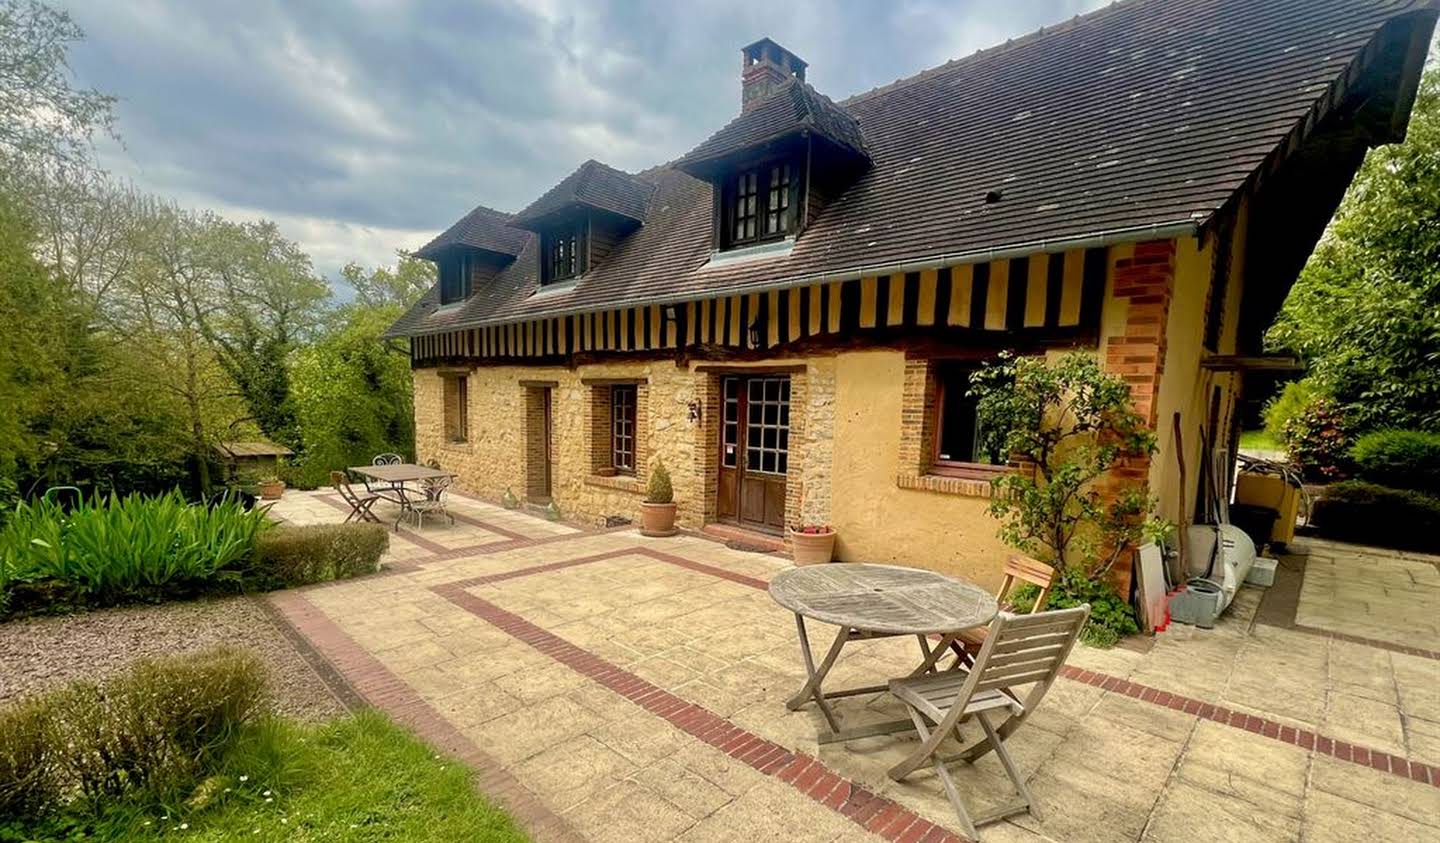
{"x": 455, "y": 278}
{"x": 457, "y": 408}
{"x": 759, "y": 204}
{"x": 622, "y": 428}
{"x": 959, "y": 441}
{"x": 566, "y": 253}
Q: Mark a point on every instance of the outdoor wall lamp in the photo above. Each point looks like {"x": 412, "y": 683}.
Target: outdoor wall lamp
{"x": 694, "y": 408}
{"x": 755, "y": 334}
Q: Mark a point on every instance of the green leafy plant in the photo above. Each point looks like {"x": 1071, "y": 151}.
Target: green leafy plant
{"x": 508, "y": 500}
{"x": 1111, "y": 616}
{"x": 27, "y": 780}
{"x": 659, "y": 489}
{"x": 1289, "y": 403}
{"x": 115, "y": 549}
{"x": 1403, "y": 459}
{"x": 1353, "y": 510}
{"x": 1068, "y": 424}
{"x": 1317, "y": 441}
{"x": 299, "y": 555}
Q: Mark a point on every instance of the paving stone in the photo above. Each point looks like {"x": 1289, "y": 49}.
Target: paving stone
{"x": 1363, "y": 721}
{"x": 628, "y": 812}
{"x": 689, "y": 791}
{"x": 1241, "y": 765}
{"x": 1190, "y": 814}
{"x": 571, "y": 772}
{"x": 1380, "y": 792}
{"x": 1334, "y": 819}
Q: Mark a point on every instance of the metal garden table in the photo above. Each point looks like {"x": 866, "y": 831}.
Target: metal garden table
{"x": 875, "y": 601}
{"x": 397, "y": 475}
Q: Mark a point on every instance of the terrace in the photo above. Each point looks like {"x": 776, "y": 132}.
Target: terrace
{"x": 607, "y": 686}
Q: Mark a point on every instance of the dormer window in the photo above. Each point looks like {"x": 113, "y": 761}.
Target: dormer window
{"x": 566, "y": 252}
{"x": 760, "y": 203}
{"x": 456, "y": 274}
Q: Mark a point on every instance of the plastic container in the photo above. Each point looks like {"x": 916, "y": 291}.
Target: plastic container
{"x": 1255, "y": 521}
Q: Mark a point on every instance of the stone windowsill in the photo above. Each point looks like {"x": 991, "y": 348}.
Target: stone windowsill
{"x": 460, "y": 447}
{"x": 618, "y": 482}
{"x": 963, "y": 486}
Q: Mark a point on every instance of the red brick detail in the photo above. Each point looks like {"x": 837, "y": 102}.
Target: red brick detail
{"x": 386, "y": 691}
{"x": 1368, "y": 642}
{"x": 1303, "y": 738}
{"x": 817, "y": 781}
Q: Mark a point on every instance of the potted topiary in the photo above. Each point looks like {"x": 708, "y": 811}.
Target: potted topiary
{"x": 812, "y": 544}
{"x": 271, "y": 488}
{"x": 657, "y": 511}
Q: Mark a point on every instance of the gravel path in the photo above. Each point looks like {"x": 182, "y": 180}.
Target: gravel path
{"x": 41, "y": 653}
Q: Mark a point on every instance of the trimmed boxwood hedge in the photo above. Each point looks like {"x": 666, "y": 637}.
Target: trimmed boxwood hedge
{"x": 300, "y": 555}
{"x": 1368, "y": 513}
{"x": 1401, "y": 459}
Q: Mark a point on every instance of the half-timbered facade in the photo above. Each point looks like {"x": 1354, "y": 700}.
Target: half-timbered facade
{"x": 786, "y": 315}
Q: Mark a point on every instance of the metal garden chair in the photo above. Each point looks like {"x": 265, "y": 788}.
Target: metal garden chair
{"x": 1018, "y": 650}
{"x": 391, "y": 492}
{"x": 359, "y": 506}
{"x": 433, "y": 502}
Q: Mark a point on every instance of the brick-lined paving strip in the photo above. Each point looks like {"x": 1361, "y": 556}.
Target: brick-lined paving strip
{"x": 384, "y": 690}
{"x": 1303, "y": 738}
{"x": 1368, "y": 642}
{"x": 807, "y": 774}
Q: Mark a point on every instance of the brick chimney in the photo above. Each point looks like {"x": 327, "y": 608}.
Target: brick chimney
{"x": 766, "y": 66}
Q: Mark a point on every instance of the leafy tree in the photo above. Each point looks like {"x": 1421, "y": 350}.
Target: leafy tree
{"x": 352, "y": 396}
{"x": 42, "y": 116}
{"x": 1365, "y": 312}
{"x": 1070, "y": 423}
{"x": 400, "y": 286}
{"x": 268, "y": 300}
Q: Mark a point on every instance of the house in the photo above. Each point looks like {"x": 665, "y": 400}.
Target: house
{"x": 787, "y": 314}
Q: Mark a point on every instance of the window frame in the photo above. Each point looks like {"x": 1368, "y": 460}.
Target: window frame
{"x": 577, "y": 232}
{"x": 461, "y": 384}
{"x": 942, "y": 371}
{"x": 632, "y": 391}
{"x": 789, "y": 191}
{"x": 461, "y": 274}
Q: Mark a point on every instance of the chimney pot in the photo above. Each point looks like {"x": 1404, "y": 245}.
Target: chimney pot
{"x": 765, "y": 67}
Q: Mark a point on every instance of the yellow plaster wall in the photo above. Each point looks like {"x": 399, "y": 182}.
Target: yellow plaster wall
{"x": 876, "y": 520}
{"x": 1185, "y": 387}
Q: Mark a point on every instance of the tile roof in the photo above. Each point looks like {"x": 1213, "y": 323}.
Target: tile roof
{"x": 794, "y": 108}
{"x": 593, "y": 185}
{"x": 1146, "y": 115}
{"x": 483, "y": 228}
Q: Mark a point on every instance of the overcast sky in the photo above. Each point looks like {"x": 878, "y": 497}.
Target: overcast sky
{"x": 366, "y": 126}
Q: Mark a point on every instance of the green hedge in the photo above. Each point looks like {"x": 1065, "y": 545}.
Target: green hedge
{"x": 1367, "y": 513}
{"x": 291, "y": 556}
{"x": 1402, "y": 459}
{"x": 149, "y": 730}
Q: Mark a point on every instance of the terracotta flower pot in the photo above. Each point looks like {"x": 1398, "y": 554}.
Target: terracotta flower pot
{"x": 812, "y": 548}
{"x": 657, "y": 519}
{"x": 272, "y": 491}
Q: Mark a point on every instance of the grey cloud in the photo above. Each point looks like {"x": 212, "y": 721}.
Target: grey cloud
{"x": 392, "y": 115}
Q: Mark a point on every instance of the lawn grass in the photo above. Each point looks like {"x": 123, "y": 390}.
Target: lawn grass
{"x": 1260, "y": 440}
{"x": 357, "y": 779}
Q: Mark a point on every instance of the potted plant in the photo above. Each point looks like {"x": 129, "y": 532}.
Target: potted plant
{"x": 657, "y": 511}
{"x": 812, "y": 544}
{"x": 271, "y": 487}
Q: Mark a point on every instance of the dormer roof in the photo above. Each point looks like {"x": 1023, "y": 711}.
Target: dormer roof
{"x": 593, "y": 185}
{"x": 792, "y": 110}
{"x": 483, "y": 228}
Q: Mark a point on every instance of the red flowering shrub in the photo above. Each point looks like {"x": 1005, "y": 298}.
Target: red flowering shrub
{"x": 1317, "y": 441}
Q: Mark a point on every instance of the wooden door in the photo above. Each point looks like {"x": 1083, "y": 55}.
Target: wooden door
{"x": 549, "y": 441}
{"x": 754, "y": 450}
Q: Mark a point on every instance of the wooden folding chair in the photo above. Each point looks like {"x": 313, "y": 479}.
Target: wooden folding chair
{"x": 1018, "y": 650}
{"x": 359, "y": 507}
{"x": 1018, "y": 569}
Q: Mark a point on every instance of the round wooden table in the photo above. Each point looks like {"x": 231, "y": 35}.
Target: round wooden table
{"x": 875, "y": 601}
